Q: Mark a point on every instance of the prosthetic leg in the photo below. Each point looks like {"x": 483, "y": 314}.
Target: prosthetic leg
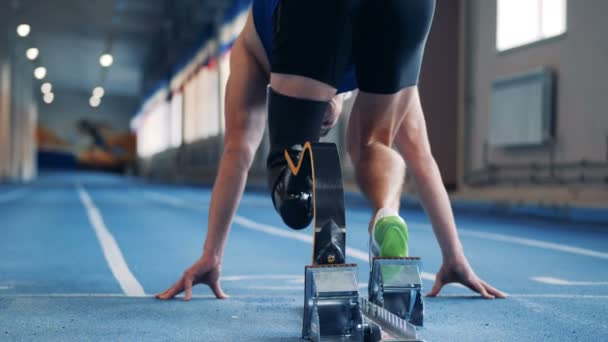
{"x": 291, "y": 123}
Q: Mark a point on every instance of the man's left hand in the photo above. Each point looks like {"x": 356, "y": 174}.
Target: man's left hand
{"x": 462, "y": 273}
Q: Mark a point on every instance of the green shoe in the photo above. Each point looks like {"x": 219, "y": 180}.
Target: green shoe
{"x": 389, "y": 238}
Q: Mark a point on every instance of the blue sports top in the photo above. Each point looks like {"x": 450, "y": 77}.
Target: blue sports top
{"x": 262, "y": 19}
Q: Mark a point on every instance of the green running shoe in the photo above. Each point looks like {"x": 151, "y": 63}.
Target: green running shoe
{"x": 390, "y": 236}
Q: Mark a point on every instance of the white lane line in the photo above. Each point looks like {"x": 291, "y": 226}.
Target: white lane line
{"x": 263, "y": 277}
{"x": 164, "y": 198}
{"x": 11, "y": 195}
{"x": 70, "y": 295}
{"x": 558, "y": 296}
{"x": 268, "y": 229}
{"x": 169, "y": 199}
{"x": 534, "y": 243}
{"x": 285, "y": 287}
{"x": 530, "y": 295}
{"x": 463, "y": 232}
{"x": 111, "y": 251}
{"x": 256, "y": 296}
{"x": 351, "y": 252}
{"x": 563, "y": 282}
{"x": 521, "y": 241}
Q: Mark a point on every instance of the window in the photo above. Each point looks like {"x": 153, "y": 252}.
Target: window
{"x": 192, "y": 115}
{"x": 224, "y": 66}
{"x": 521, "y": 22}
{"x": 153, "y": 135}
{"x": 177, "y": 114}
{"x": 201, "y": 107}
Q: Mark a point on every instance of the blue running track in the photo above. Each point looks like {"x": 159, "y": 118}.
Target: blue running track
{"x": 82, "y": 254}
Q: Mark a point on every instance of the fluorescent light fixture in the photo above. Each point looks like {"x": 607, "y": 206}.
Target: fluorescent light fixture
{"x": 48, "y": 98}
{"x": 24, "y": 30}
{"x": 32, "y": 53}
{"x": 98, "y": 92}
{"x": 46, "y": 87}
{"x": 40, "y": 72}
{"x": 94, "y": 101}
{"x": 106, "y": 60}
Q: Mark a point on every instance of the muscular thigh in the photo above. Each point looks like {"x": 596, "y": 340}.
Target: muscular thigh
{"x": 378, "y": 117}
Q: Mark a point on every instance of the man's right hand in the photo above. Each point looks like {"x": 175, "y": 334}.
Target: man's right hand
{"x": 204, "y": 271}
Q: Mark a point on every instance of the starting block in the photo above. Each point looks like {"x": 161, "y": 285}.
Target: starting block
{"x": 395, "y": 285}
{"x": 333, "y": 309}
{"x": 331, "y": 303}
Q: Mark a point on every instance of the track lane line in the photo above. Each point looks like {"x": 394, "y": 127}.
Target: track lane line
{"x": 350, "y": 251}
{"x": 272, "y": 230}
{"x": 12, "y": 195}
{"x": 467, "y": 233}
{"x": 520, "y": 241}
{"x": 263, "y": 277}
{"x": 564, "y": 282}
{"x": 256, "y": 296}
{"x": 127, "y": 281}
{"x": 534, "y": 243}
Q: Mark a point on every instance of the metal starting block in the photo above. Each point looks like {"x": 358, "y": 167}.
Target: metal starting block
{"x": 331, "y": 303}
{"x": 333, "y": 310}
{"x": 395, "y": 285}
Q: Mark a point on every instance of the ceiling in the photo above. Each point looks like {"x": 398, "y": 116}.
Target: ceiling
{"x": 142, "y": 35}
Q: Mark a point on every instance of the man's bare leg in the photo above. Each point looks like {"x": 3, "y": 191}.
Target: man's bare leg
{"x": 380, "y": 171}
{"x": 374, "y": 123}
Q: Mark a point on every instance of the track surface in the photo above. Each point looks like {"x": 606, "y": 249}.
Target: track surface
{"x": 56, "y": 283}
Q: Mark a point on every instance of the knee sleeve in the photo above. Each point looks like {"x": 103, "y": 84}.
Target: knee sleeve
{"x": 291, "y": 123}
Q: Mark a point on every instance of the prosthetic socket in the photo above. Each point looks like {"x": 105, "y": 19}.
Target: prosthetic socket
{"x": 291, "y": 123}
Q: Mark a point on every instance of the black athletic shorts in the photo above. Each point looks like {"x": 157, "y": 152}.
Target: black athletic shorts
{"x": 321, "y": 39}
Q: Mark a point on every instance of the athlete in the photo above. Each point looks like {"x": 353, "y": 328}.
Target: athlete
{"x": 309, "y": 57}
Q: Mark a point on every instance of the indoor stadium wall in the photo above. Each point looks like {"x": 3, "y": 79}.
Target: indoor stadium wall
{"x": 576, "y": 153}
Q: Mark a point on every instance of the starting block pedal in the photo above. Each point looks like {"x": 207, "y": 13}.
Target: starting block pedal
{"x": 331, "y": 303}
{"x": 333, "y": 310}
{"x": 395, "y": 285}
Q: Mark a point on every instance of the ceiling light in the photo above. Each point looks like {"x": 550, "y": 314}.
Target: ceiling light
{"x": 94, "y": 101}
{"x": 32, "y": 53}
{"x": 98, "y": 92}
{"x": 23, "y": 30}
{"x": 106, "y": 60}
{"x": 48, "y": 98}
{"x": 40, "y": 72}
{"x": 46, "y": 88}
